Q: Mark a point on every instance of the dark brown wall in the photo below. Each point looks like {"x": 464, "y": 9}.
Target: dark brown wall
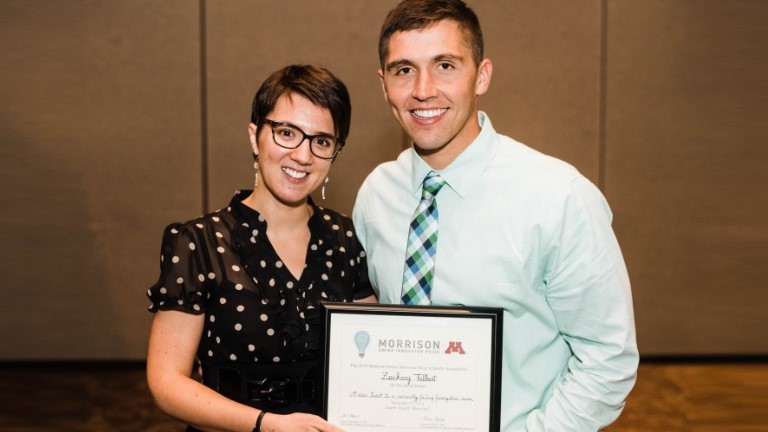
{"x": 120, "y": 117}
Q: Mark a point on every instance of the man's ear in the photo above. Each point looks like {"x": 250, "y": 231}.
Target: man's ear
{"x": 484, "y": 73}
{"x": 383, "y": 87}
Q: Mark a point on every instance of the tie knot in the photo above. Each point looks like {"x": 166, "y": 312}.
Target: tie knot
{"x": 432, "y": 184}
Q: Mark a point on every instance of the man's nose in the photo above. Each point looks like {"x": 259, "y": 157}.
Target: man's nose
{"x": 424, "y": 87}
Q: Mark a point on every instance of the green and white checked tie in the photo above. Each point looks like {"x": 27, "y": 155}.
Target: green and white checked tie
{"x": 422, "y": 241}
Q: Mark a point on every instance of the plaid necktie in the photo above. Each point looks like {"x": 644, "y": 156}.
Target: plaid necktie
{"x": 422, "y": 241}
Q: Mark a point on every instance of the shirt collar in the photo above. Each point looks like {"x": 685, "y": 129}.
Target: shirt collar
{"x": 253, "y": 218}
{"x": 246, "y": 214}
{"x": 464, "y": 171}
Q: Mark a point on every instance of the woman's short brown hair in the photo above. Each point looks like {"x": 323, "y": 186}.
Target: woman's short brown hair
{"x": 317, "y": 84}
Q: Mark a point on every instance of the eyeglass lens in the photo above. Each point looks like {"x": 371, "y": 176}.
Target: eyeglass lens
{"x": 322, "y": 146}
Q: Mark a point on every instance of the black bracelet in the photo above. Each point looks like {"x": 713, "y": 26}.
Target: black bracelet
{"x": 257, "y": 428}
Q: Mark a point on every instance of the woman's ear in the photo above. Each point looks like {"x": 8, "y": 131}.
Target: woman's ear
{"x": 252, "y": 136}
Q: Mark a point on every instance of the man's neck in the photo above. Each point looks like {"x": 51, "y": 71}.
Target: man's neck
{"x": 443, "y": 156}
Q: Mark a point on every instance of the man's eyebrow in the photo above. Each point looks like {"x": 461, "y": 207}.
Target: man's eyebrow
{"x": 448, "y": 57}
{"x": 397, "y": 64}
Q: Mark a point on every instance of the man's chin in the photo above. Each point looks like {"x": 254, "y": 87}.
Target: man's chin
{"x": 428, "y": 148}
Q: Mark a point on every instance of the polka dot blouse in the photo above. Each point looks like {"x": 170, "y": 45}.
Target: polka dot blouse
{"x": 256, "y": 312}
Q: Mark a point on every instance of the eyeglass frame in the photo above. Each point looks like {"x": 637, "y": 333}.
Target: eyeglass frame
{"x": 305, "y": 137}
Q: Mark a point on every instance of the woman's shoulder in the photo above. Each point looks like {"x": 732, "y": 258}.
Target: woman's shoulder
{"x": 333, "y": 224}
{"x": 225, "y": 214}
{"x": 333, "y": 217}
{"x": 199, "y": 223}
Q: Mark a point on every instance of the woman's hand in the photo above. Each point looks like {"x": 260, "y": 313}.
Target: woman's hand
{"x": 298, "y": 422}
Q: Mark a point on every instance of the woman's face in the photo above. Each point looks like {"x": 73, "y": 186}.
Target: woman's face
{"x": 290, "y": 175}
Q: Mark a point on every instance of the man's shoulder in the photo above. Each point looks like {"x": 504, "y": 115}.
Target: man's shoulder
{"x": 394, "y": 170}
{"x": 520, "y": 159}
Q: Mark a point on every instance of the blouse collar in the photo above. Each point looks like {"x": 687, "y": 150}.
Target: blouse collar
{"x": 319, "y": 223}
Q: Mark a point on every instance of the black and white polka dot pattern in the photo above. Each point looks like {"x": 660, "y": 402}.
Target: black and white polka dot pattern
{"x": 223, "y": 265}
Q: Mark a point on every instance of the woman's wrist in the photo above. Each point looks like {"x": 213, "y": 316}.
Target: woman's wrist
{"x": 259, "y": 419}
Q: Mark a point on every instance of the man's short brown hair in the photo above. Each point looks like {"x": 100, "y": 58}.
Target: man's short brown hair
{"x": 420, "y": 14}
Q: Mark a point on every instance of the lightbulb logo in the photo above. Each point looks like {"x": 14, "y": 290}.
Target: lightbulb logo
{"x": 362, "y": 338}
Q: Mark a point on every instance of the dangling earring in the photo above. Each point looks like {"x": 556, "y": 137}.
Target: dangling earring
{"x": 322, "y": 191}
{"x": 256, "y": 168}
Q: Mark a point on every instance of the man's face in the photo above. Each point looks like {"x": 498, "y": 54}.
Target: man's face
{"x": 431, "y": 83}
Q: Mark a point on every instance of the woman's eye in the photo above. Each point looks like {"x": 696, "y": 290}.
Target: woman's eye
{"x": 287, "y": 133}
{"x": 323, "y": 142}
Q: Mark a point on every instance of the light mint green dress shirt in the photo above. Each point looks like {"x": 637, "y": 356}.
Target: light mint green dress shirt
{"x": 528, "y": 233}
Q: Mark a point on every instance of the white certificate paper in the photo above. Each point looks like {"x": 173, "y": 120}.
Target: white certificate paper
{"x": 412, "y": 372}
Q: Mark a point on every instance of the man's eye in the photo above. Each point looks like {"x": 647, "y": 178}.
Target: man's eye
{"x": 404, "y": 71}
{"x": 445, "y": 66}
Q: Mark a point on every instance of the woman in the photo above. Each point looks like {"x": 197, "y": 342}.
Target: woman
{"x": 239, "y": 288}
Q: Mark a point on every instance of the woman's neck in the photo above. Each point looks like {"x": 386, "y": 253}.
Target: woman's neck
{"x": 287, "y": 229}
{"x": 279, "y": 216}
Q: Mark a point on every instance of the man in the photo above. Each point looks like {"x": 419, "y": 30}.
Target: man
{"x": 514, "y": 229}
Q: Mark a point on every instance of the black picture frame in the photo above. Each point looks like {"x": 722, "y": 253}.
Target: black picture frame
{"x": 333, "y": 313}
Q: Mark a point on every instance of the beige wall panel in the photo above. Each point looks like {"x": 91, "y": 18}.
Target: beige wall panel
{"x": 99, "y": 125}
{"x": 545, "y": 90}
{"x": 100, "y": 130}
{"x": 247, "y": 40}
{"x": 685, "y": 170}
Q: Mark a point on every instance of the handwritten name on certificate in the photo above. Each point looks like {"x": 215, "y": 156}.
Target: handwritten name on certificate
{"x": 409, "y": 373}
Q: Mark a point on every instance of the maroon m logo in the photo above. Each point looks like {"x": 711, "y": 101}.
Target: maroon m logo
{"x": 454, "y": 347}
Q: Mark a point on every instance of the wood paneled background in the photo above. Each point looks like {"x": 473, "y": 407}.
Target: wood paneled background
{"x": 119, "y": 117}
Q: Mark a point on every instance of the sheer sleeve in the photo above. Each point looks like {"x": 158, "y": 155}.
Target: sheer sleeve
{"x": 183, "y": 282}
{"x": 349, "y": 274}
{"x": 361, "y": 284}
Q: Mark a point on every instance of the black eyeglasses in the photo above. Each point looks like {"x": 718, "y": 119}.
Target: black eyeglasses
{"x": 289, "y": 136}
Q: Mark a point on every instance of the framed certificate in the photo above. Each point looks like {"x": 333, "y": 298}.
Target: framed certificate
{"x": 412, "y": 368}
